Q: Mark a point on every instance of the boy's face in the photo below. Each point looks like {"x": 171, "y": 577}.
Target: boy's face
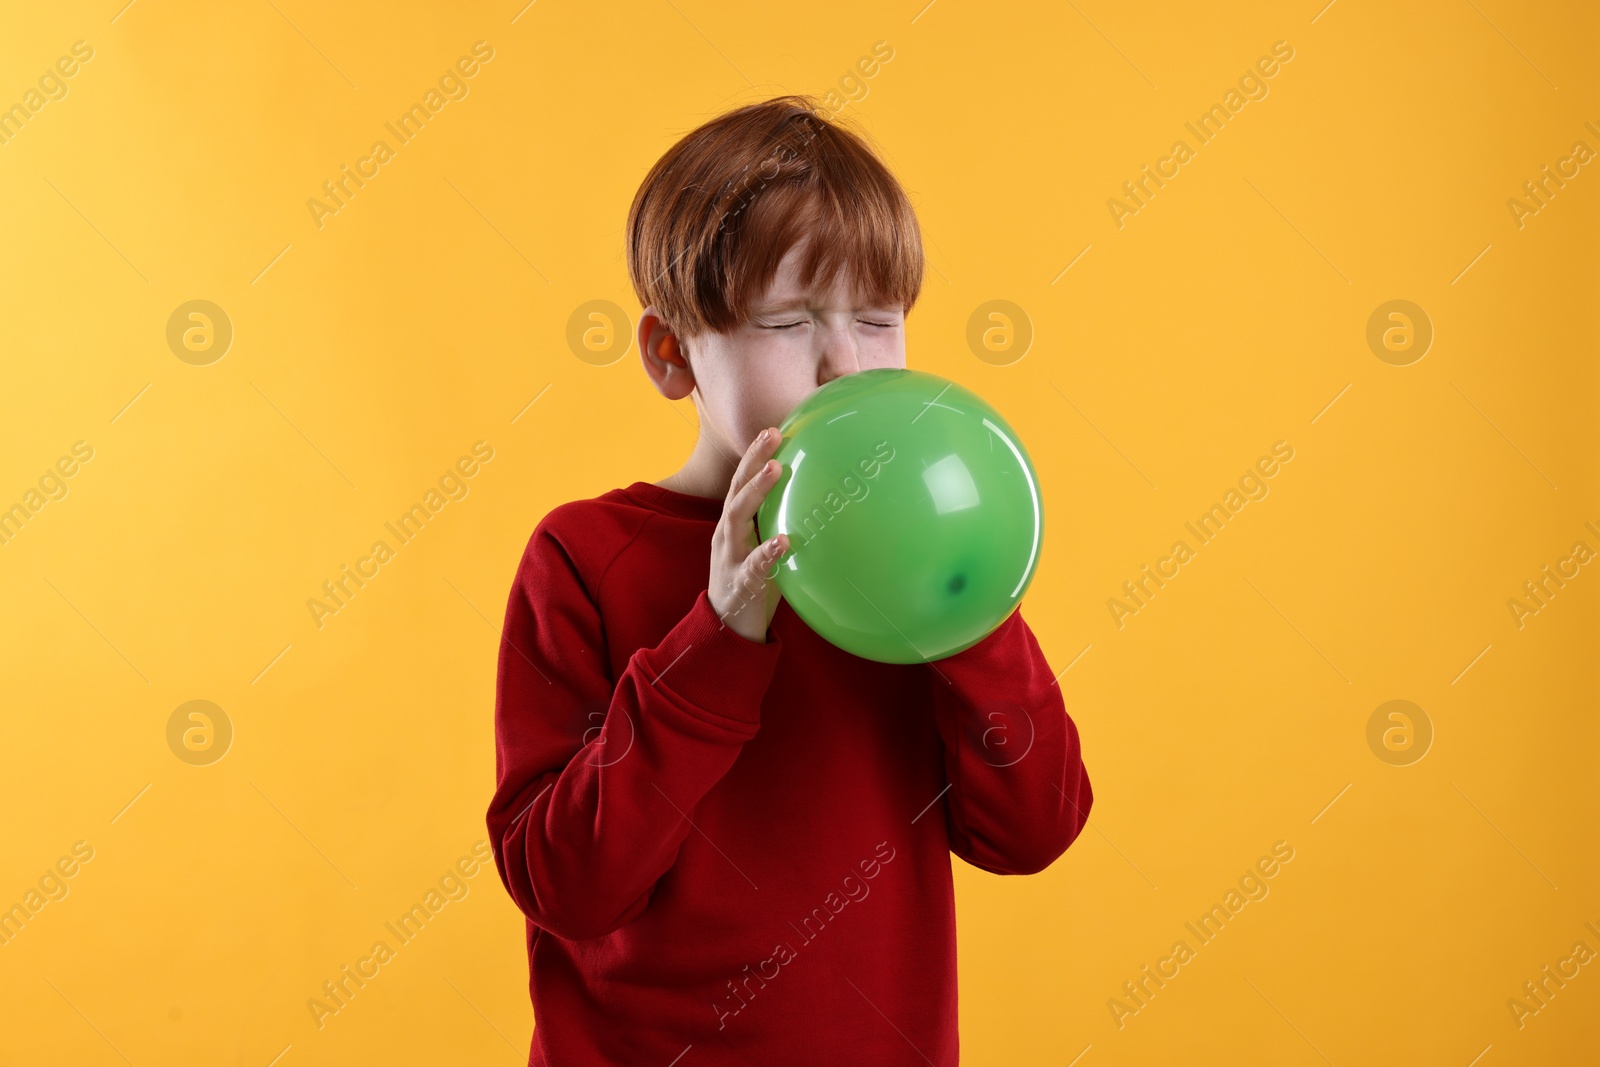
{"x": 795, "y": 342}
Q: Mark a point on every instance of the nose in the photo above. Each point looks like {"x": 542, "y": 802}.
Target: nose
{"x": 839, "y": 355}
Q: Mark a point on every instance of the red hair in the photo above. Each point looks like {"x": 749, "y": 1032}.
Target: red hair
{"x": 717, "y": 213}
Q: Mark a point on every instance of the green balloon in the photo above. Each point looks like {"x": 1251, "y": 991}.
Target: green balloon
{"x": 913, "y": 514}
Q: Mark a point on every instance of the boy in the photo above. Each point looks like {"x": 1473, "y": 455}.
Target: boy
{"x": 731, "y": 839}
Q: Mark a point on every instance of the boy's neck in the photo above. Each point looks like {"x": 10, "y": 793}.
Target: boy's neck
{"x": 706, "y": 473}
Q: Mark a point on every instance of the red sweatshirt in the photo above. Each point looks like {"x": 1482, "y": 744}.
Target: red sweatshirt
{"x": 731, "y": 852}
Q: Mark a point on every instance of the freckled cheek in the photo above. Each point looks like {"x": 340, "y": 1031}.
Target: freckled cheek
{"x": 765, "y": 385}
{"x": 780, "y": 398}
{"x": 886, "y": 350}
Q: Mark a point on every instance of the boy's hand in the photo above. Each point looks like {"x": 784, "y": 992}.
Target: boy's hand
{"x": 741, "y": 589}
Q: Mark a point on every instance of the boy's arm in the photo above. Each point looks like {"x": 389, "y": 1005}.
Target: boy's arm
{"x": 583, "y": 821}
{"x": 1018, "y": 793}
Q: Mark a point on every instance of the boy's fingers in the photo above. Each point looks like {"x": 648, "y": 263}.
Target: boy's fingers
{"x": 752, "y": 577}
{"x": 748, "y": 500}
{"x": 754, "y": 455}
{"x": 768, "y": 553}
{"x": 758, "y": 564}
{"x": 748, "y": 487}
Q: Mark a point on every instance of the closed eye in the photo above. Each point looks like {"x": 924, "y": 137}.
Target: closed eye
{"x": 803, "y": 322}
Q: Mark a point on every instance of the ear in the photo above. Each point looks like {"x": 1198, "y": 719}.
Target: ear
{"x": 661, "y": 352}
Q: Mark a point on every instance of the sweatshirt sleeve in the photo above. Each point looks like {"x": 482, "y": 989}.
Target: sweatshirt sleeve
{"x": 596, "y": 777}
{"x": 1018, "y": 791}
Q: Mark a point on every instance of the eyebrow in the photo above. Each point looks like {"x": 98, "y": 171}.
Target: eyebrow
{"x": 798, "y": 302}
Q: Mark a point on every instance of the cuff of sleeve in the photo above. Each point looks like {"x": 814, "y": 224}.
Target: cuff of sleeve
{"x": 710, "y": 667}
